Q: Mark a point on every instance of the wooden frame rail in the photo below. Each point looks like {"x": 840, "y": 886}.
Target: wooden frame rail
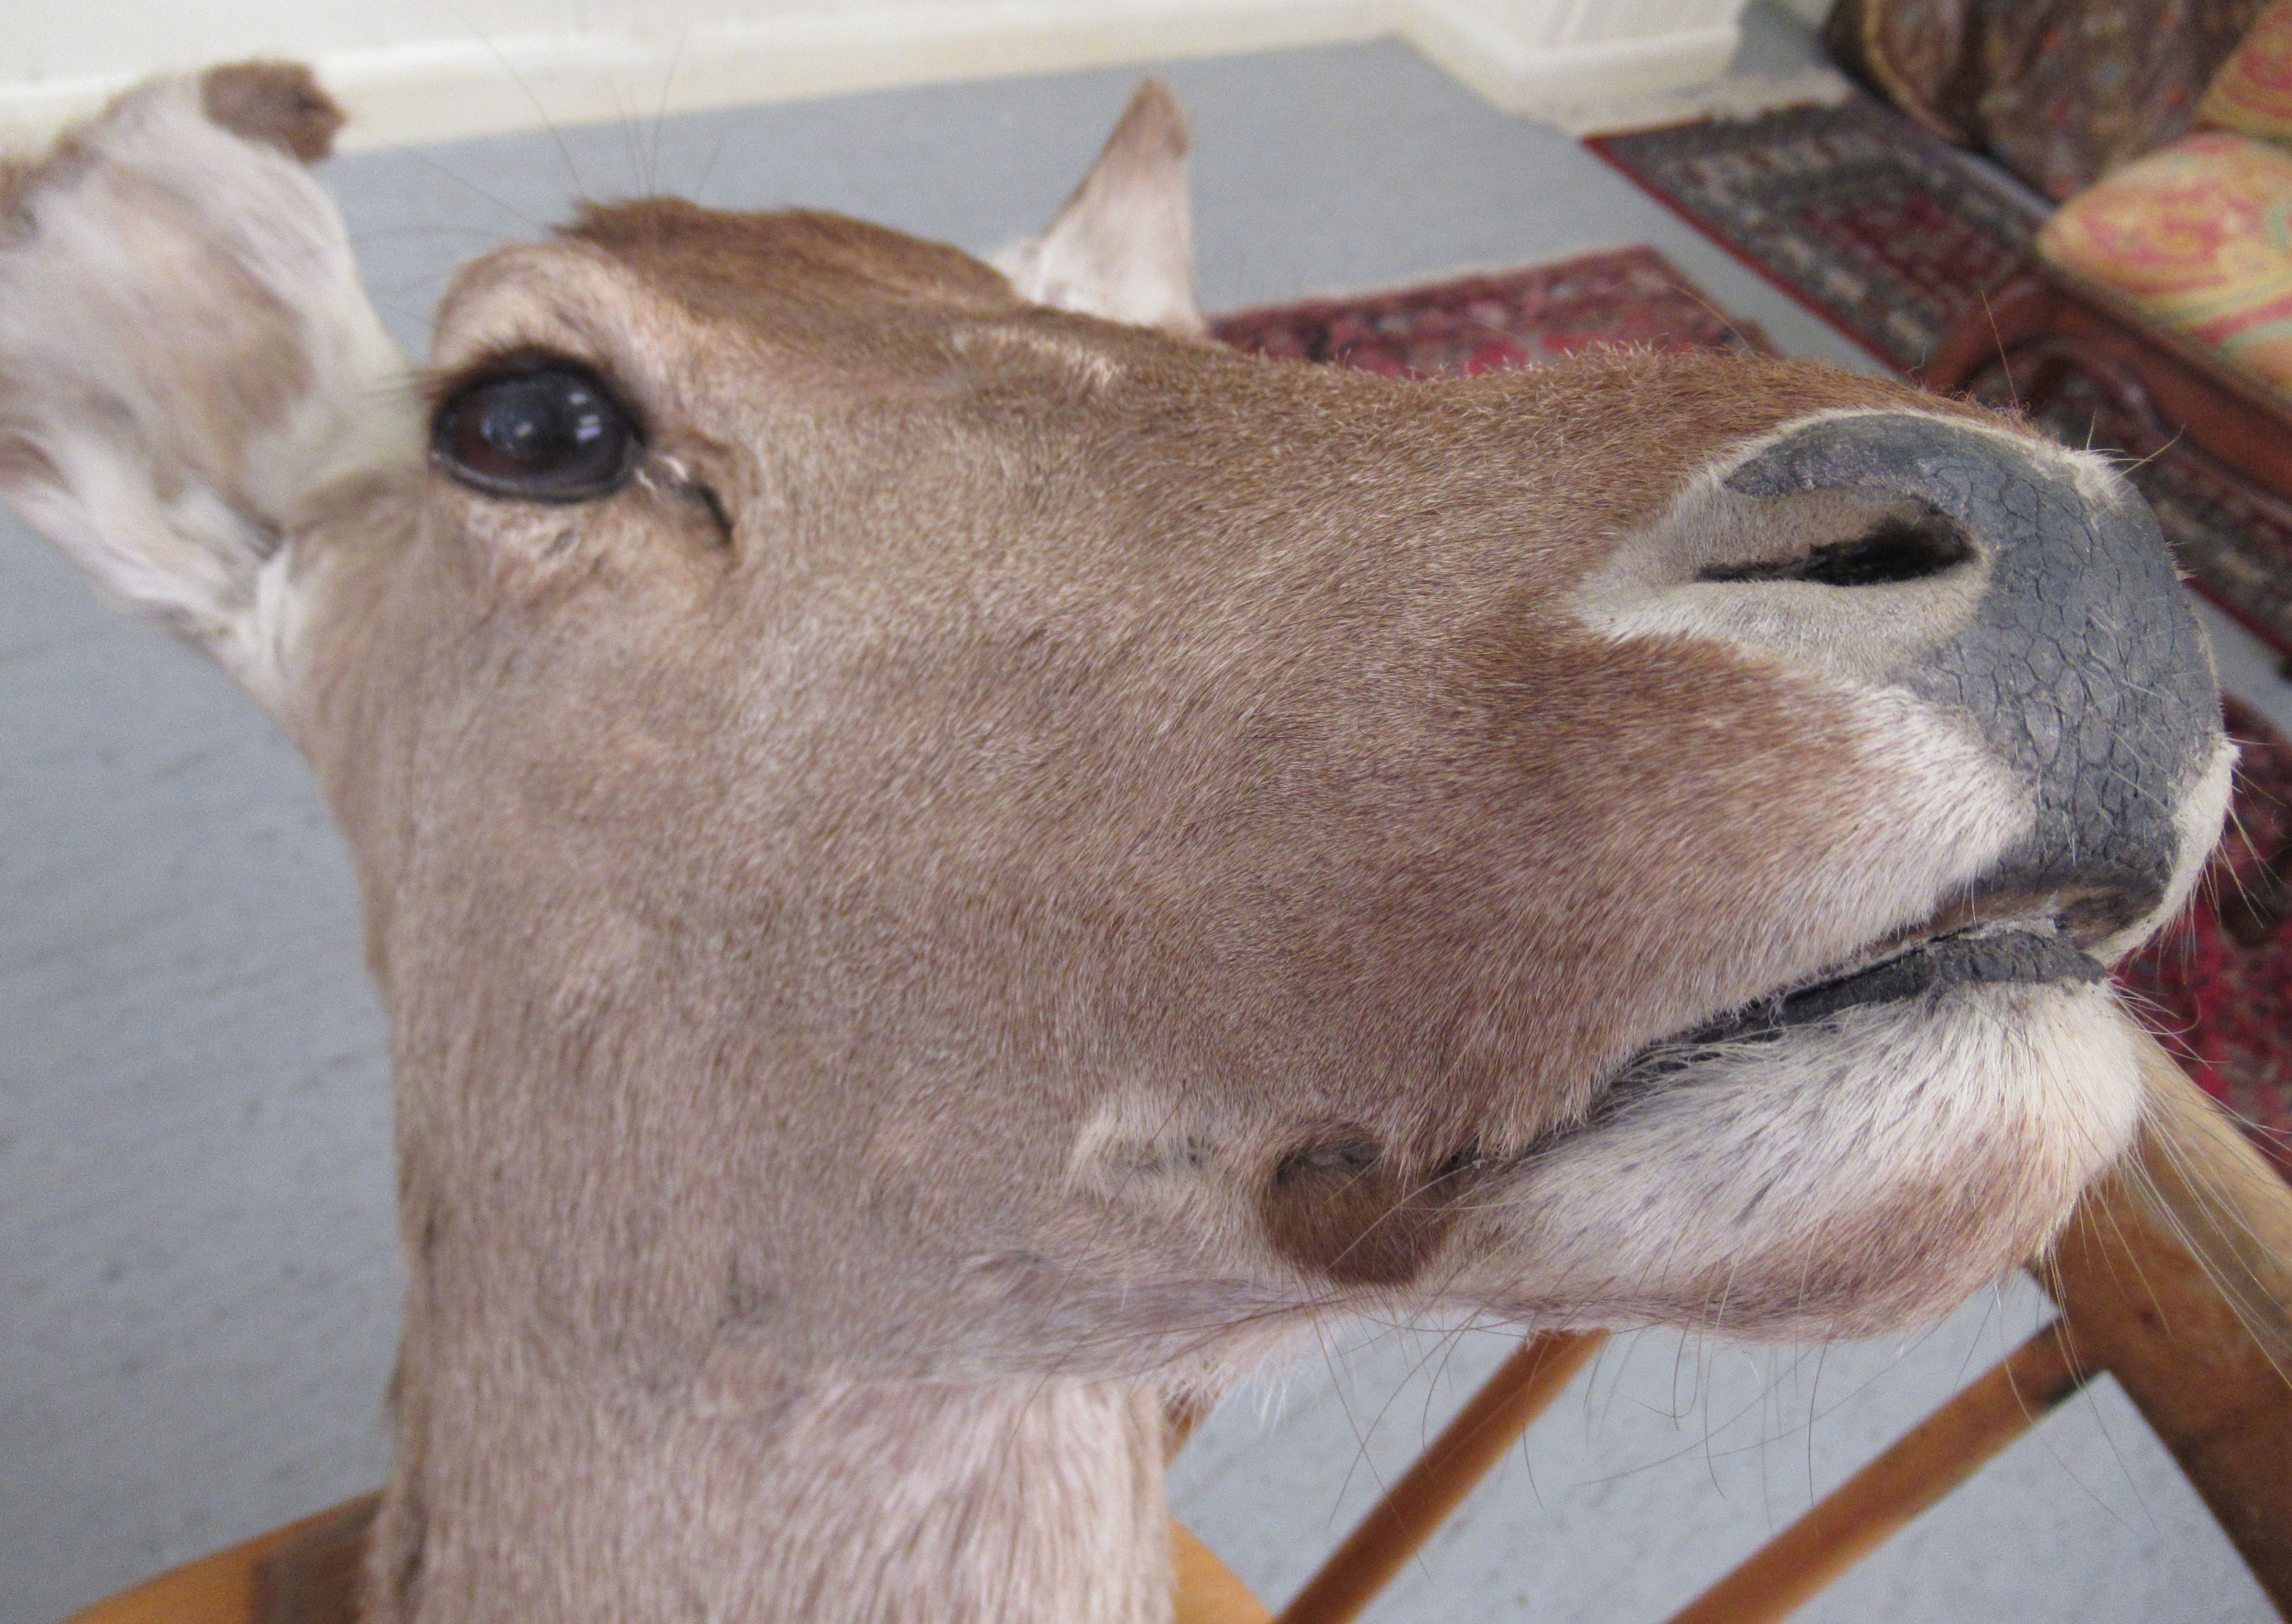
{"x": 1910, "y": 1475}
{"x": 1490, "y": 1422}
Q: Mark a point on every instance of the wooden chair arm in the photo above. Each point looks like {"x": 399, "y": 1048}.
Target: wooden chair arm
{"x": 227, "y": 1588}
{"x": 243, "y": 1585}
{"x": 2176, "y": 1276}
{"x": 1208, "y": 1591}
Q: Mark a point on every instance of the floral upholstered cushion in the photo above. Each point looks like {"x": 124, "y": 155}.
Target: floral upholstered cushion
{"x": 2199, "y": 237}
{"x": 2253, "y": 91}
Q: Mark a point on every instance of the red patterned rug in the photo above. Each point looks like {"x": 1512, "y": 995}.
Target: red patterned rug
{"x": 1625, "y": 298}
{"x": 1883, "y": 230}
{"x": 2217, "y": 984}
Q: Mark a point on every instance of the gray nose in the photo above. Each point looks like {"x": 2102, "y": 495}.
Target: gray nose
{"x": 2082, "y": 663}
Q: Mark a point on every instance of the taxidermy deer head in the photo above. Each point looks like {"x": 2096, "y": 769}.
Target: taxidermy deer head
{"x": 950, "y": 860}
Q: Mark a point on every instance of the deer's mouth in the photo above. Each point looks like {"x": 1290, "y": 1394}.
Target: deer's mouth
{"x": 1981, "y": 954}
{"x": 2029, "y": 949}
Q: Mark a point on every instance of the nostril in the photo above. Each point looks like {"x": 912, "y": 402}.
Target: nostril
{"x": 1891, "y": 551}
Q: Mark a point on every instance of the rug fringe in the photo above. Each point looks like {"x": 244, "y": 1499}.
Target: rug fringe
{"x": 1738, "y": 96}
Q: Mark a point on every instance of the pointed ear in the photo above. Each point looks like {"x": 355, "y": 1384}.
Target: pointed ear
{"x": 1123, "y": 246}
{"x": 187, "y": 357}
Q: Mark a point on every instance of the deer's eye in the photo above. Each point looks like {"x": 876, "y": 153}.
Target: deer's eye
{"x": 552, "y": 433}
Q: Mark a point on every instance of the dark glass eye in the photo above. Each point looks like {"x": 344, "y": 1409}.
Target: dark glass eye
{"x": 553, "y": 433}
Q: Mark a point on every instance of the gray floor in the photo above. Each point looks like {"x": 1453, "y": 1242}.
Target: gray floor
{"x": 195, "y": 1261}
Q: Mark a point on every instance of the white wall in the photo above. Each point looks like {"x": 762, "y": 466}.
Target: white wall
{"x": 431, "y": 69}
{"x": 1530, "y": 54}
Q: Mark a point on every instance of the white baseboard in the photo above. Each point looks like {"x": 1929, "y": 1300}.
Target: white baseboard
{"x": 443, "y": 90}
{"x": 1519, "y": 78}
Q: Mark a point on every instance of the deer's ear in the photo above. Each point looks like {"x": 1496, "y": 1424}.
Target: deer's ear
{"x": 186, "y": 358}
{"x": 1123, "y": 246}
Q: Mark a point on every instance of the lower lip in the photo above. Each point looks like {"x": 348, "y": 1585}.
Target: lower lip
{"x": 1989, "y": 958}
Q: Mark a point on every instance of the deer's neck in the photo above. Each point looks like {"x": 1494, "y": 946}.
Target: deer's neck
{"x": 1005, "y": 1502}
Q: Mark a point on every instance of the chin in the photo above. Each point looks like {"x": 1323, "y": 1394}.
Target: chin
{"x": 1847, "y": 1176}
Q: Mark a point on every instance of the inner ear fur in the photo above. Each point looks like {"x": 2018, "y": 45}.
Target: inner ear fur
{"x": 1123, "y": 246}
{"x": 188, "y": 358}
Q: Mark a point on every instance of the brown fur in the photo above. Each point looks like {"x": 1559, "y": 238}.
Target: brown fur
{"x": 1259, "y": 772}
{"x": 1021, "y": 859}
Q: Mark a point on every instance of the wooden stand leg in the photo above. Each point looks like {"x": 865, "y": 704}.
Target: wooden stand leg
{"x": 1441, "y": 1477}
{"x": 1916, "y": 1470}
